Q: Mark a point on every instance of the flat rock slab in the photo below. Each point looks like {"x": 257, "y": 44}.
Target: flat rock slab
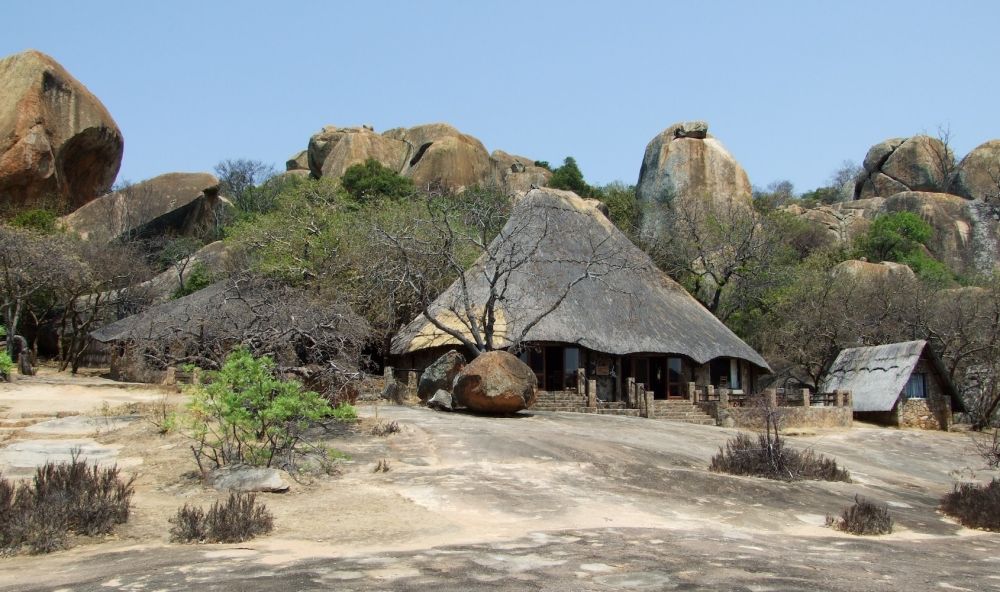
{"x": 242, "y": 478}
{"x": 20, "y": 459}
{"x": 80, "y": 425}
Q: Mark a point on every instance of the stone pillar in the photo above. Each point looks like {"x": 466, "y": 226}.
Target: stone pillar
{"x": 196, "y": 376}
{"x": 806, "y": 398}
{"x": 592, "y": 394}
{"x": 839, "y": 398}
{"x": 723, "y": 396}
{"x": 849, "y": 399}
{"x": 640, "y": 396}
{"x": 389, "y": 375}
{"x": 650, "y": 405}
{"x": 411, "y": 382}
{"x": 693, "y": 392}
{"x": 581, "y": 381}
{"x": 630, "y": 388}
{"x": 169, "y": 376}
{"x": 772, "y": 397}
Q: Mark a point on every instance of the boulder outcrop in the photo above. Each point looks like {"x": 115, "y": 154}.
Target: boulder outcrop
{"x": 872, "y": 271}
{"x": 182, "y": 203}
{"x": 496, "y": 382}
{"x": 684, "y": 162}
{"x": 299, "y": 162}
{"x": 918, "y": 163}
{"x": 978, "y": 175}
{"x": 440, "y": 375}
{"x": 56, "y": 138}
{"x": 434, "y": 154}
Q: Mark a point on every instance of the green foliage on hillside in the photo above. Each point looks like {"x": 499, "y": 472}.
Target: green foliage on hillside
{"x": 39, "y": 219}
{"x": 371, "y": 179}
{"x": 902, "y": 237}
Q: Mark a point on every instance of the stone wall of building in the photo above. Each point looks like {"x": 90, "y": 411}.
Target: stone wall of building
{"x": 932, "y": 413}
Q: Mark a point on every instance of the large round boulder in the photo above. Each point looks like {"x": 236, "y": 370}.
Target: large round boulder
{"x": 919, "y": 163}
{"x": 56, "y": 138}
{"x": 440, "y": 155}
{"x": 440, "y": 375}
{"x": 495, "y": 382}
{"x": 684, "y": 162}
{"x": 517, "y": 174}
{"x": 978, "y": 175}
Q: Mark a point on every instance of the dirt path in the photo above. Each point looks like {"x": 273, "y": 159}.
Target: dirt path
{"x": 542, "y": 501}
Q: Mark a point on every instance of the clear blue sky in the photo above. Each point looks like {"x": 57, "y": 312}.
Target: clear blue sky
{"x": 791, "y": 88}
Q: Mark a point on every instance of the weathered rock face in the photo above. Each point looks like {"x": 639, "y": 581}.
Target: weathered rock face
{"x": 299, "y": 162}
{"x": 440, "y": 375}
{"x": 495, "y": 382}
{"x": 843, "y": 221}
{"x": 978, "y": 175}
{"x": 175, "y": 202}
{"x": 441, "y": 155}
{"x": 56, "y": 138}
{"x": 684, "y": 162}
{"x": 434, "y": 154}
{"x": 333, "y": 150}
{"x": 919, "y": 163}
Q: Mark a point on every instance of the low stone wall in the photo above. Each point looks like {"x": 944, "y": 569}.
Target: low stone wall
{"x": 791, "y": 417}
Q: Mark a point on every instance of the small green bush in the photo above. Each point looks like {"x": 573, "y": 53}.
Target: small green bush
{"x": 237, "y": 519}
{"x": 63, "y": 498}
{"x": 772, "y": 460}
{"x": 974, "y": 506}
{"x": 863, "y": 518}
{"x": 371, "y": 179}
{"x": 198, "y": 278}
{"x": 247, "y": 415}
{"x": 345, "y": 412}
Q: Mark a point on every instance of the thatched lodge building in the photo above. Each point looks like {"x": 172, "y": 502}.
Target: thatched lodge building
{"x": 578, "y": 294}
{"x": 898, "y": 384}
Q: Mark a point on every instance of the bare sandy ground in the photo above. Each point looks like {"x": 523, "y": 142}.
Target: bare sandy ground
{"x": 540, "y": 501}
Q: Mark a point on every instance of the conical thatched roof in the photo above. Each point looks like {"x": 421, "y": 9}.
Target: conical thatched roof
{"x": 626, "y": 305}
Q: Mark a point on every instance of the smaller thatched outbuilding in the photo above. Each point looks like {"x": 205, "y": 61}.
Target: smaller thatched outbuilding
{"x": 899, "y": 384}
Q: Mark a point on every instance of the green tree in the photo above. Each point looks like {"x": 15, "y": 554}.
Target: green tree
{"x": 569, "y": 176}
{"x": 371, "y": 179}
{"x": 623, "y": 206}
{"x": 247, "y": 415}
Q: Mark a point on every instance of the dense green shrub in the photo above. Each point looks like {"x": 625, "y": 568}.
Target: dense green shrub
{"x": 247, "y": 415}
{"x": 6, "y": 364}
{"x": 63, "y": 498}
{"x": 974, "y": 506}
{"x": 371, "y": 179}
{"x": 864, "y": 517}
{"x": 39, "y": 220}
{"x": 238, "y": 519}
{"x": 771, "y": 459}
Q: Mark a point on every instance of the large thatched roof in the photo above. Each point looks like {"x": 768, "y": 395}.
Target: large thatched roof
{"x": 876, "y": 374}
{"x": 163, "y": 320}
{"x": 627, "y": 306}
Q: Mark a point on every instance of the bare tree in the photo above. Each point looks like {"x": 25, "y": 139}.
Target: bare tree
{"x": 240, "y": 178}
{"x": 712, "y": 247}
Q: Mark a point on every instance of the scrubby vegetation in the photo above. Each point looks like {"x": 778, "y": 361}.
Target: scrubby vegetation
{"x": 384, "y": 428}
{"x": 372, "y": 180}
{"x": 245, "y": 414}
{"x": 770, "y": 458}
{"x": 974, "y": 506}
{"x": 864, "y": 517}
{"x": 240, "y": 518}
{"x": 63, "y": 499}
